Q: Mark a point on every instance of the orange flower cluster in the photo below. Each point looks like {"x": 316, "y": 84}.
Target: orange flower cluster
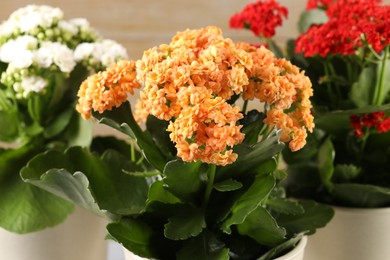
{"x": 107, "y": 89}
{"x": 206, "y": 127}
{"x": 284, "y": 87}
{"x": 189, "y": 82}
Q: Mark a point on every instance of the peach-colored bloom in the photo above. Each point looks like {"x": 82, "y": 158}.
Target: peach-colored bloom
{"x": 107, "y": 89}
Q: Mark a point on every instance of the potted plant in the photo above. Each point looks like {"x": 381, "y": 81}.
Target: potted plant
{"x": 201, "y": 177}
{"x": 43, "y": 59}
{"x": 344, "y": 50}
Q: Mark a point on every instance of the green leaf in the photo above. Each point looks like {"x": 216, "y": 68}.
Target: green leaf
{"x": 325, "y": 160}
{"x": 9, "y": 126}
{"x": 79, "y": 131}
{"x": 158, "y": 130}
{"x": 36, "y": 107}
{"x": 253, "y": 198}
{"x": 315, "y": 216}
{"x": 74, "y": 187}
{"x": 122, "y": 119}
{"x": 228, "y": 185}
{"x": 250, "y": 157}
{"x": 262, "y": 227}
{"x": 361, "y": 195}
{"x": 157, "y": 192}
{"x": 345, "y": 172}
{"x": 134, "y": 235}
{"x": 362, "y": 90}
{"x": 282, "y": 249}
{"x": 188, "y": 223}
{"x": 59, "y": 124}
{"x": 311, "y": 17}
{"x": 183, "y": 179}
{"x": 108, "y": 184}
{"x": 285, "y": 206}
{"x": 25, "y": 208}
{"x": 205, "y": 246}
{"x": 382, "y": 87}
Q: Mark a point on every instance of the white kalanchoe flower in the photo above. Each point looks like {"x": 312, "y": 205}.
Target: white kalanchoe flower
{"x": 19, "y": 52}
{"x": 7, "y": 28}
{"x": 28, "y": 85}
{"x": 111, "y": 52}
{"x": 60, "y": 55}
{"x": 31, "y": 17}
{"x": 104, "y": 52}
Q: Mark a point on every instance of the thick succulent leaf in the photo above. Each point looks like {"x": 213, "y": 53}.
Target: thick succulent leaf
{"x": 183, "y": 179}
{"x": 158, "y": 130}
{"x": 134, "y": 235}
{"x": 25, "y": 208}
{"x": 251, "y": 157}
{"x": 362, "y": 91}
{"x": 325, "y": 159}
{"x": 188, "y": 223}
{"x": 311, "y": 17}
{"x": 205, "y": 246}
{"x": 253, "y": 198}
{"x": 59, "y": 123}
{"x": 9, "y": 127}
{"x": 121, "y": 118}
{"x": 262, "y": 227}
{"x": 315, "y": 216}
{"x": 228, "y": 185}
{"x": 79, "y": 131}
{"x": 74, "y": 187}
{"x": 63, "y": 174}
{"x": 361, "y": 195}
{"x": 282, "y": 249}
{"x": 285, "y": 206}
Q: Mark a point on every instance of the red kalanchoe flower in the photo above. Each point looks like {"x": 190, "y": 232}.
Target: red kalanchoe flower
{"x": 377, "y": 120}
{"x": 342, "y": 34}
{"x": 357, "y": 126}
{"x": 261, "y": 17}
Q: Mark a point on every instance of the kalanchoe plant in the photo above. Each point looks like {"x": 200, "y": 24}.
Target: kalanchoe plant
{"x": 43, "y": 60}
{"x": 201, "y": 178}
{"x": 344, "y": 49}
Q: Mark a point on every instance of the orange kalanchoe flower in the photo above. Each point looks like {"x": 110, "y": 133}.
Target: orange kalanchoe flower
{"x": 194, "y": 57}
{"x": 189, "y": 83}
{"x": 284, "y": 87}
{"x": 206, "y": 128}
{"x": 107, "y": 89}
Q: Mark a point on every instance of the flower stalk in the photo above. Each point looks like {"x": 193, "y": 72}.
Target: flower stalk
{"x": 210, "y": 183}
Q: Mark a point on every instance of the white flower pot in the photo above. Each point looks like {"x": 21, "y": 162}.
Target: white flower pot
{"x": 295, "y": 254}
{"x": 80, "y": 237}
{"x": 353, "y": 233}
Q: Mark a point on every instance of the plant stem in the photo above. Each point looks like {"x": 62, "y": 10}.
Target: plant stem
{"x": 210, "y": 183}
{"x": 132, "y": 151}
{"x": 245, "y": 107}
{"x": 380, "y": 86}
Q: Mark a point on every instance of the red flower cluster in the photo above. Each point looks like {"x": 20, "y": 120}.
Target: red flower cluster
{"x": 378, "y": 121}
{"x": 260, "y": 17}
{"x": 342, "y": 33}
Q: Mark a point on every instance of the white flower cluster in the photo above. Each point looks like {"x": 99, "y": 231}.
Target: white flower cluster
{"x": 35, "y": 41}
{"x": 102, "y": 53}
